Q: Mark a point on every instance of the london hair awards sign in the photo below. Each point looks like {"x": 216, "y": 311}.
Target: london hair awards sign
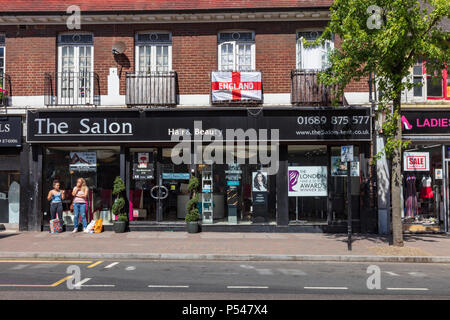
{"x": 307, "y": 181}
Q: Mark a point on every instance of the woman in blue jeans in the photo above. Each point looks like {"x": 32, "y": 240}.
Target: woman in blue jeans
{"x": 80, "y": 192}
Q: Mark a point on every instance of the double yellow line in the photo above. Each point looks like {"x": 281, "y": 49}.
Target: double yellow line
{"x": 57, "y": 283}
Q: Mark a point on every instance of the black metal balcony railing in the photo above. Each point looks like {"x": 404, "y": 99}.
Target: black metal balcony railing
{"x": 151, "y": 88}
{"x": 71, "y": 89}
{"x": 5, "y": 90}
{"x": 306, "y": 89}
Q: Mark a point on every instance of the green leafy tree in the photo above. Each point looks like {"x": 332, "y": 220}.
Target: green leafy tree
{"x": 385, "y": 38}
{"x": 119, "y": 203}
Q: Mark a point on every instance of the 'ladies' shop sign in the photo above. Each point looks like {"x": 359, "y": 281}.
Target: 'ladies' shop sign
{"x": 425, "y": 122}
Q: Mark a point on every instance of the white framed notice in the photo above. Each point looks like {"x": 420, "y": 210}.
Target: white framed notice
{"x": 416, "y": 161}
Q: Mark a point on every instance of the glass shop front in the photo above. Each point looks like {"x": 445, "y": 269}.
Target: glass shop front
{"x": 286, "y": 170}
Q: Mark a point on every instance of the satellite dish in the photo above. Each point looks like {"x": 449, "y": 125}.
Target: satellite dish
{"x": 119, "y": 47}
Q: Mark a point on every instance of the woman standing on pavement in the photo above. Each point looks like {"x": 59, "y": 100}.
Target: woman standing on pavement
{"x": 80, "y": 192}
{"x": 56, "y": 196}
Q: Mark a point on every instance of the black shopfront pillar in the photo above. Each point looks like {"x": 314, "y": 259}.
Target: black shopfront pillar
{"x": 282, "y": 187}
{"x": 35, "y": 216}
{"x": 25, "y": 191}
{"x": 125, "y": 170}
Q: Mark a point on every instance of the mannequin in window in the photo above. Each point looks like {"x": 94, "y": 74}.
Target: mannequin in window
{"x": 427, "y": 191}
{"x": 411, "y": 197}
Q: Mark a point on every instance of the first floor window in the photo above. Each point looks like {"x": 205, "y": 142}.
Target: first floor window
{"x": 236, "y": 51}
{"x": 75, "y": 67}
{"x": 154, "y": 52}
{"x": 315, "y": 57}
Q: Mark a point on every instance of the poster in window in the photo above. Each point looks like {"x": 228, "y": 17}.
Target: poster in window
{"x": 307, "y": 181}
{"x": 339, "y": 168}
{"x": 83, "y": 161}
{"x": 259, "y": 179}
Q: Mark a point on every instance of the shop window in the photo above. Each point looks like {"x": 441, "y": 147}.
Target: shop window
{"x": 311, "y": 204}
{"x": 9, "y": 196}
{"x": 423, "y": 200}
{"x": 153, "y": 51}
{"x": 312, "y": 58}
{"x": 99, "y": 166}
{"x": 236, "y": 51}
{"x": 339, "y": 185}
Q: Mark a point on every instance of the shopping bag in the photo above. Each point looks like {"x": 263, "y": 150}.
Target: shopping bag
{"x": 90, "y": 226}
{"x": 98, "y": 226}
{"x": 56, "y": 226}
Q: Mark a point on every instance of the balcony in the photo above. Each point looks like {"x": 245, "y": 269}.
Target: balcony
{"x": 307, "y": 91}
{"x": 5, "y": 90}
{"x": 241, "y": 88}
{"x": 151, "y": 88}
{"x": 71, "y": 89}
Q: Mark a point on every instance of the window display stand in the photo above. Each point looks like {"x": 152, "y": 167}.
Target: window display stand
{"x": 207, "y": 195}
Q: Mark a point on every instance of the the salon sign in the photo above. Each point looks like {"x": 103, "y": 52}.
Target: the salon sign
{"x": 416, "y": 161}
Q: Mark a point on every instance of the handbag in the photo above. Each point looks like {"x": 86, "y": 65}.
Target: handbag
{"x": 98, "y": 226}
{"x": 56, "y": 225}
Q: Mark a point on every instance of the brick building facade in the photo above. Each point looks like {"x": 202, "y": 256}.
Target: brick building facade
{"x": 55, "y": 75}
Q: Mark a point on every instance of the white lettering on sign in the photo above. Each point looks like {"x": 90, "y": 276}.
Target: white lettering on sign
{"x": 87, "y": 127}
{"x": 416, "y": 161}
{"x": 5, "y": 127}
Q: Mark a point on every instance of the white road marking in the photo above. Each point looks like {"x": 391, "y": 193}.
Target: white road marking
{"x": 166, "y": 286}
{"x": 292, "y": 272}
{"x": 247, "y": 287}
{"x": 264, "y": 272}
{"x": 82, "y": 284}
{"x": 20, "y": 267}
{"x": 43, "y": 265}
{"x": 325, "y": 288}
{"x": 98, "y": 285}
{"x": 111, "y": 265}
{"x": 417, "y": 274}
{"x": 79, "y": 284}
{"x": 130, "y": 268}
{"x": 391, "y": 273}
{"x": 245, "y": 266}
{"x": 408, "y": 289}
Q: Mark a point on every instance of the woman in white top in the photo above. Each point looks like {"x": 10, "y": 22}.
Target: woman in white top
{"x": 80, "y": 192}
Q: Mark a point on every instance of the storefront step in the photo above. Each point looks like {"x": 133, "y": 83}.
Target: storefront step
{"x": 256, "y": 227}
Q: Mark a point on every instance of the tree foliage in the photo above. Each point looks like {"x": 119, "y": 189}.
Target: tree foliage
{"x": 385, "y": 38}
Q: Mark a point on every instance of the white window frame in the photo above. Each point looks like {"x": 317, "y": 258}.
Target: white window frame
{"x": 76, "y": 47}
{"x": 235, "y": 44}
{"x": 4, "y": 55}
{"x": 152, "y": 46}
{"x": 300, "y": 52}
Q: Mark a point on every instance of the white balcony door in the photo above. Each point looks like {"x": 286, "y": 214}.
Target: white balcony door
{"x": 75, "y": 74}
{"x": 155, "y": 57}
{"x": 236, "y": 56}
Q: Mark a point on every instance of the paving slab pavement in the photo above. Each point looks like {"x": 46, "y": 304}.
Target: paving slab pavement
{"x": 223, "y": 246}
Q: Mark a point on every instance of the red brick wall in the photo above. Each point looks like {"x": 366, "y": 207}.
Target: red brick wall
{"x": 32, "y": 52}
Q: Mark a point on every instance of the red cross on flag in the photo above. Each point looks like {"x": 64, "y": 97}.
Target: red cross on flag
{"x": 236, "y": 86}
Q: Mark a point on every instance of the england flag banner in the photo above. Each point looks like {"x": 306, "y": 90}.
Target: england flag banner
{"x": 236, "y": 86}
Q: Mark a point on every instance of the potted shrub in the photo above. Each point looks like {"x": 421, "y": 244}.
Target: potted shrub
{"x": 120, "y": 224}
{"x": 192, "y": 214}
